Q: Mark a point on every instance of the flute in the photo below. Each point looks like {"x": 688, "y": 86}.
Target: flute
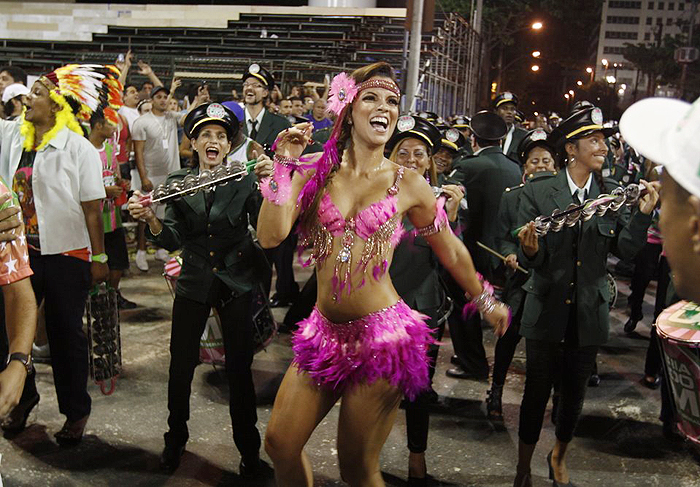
{"x": 193, "y": 184}
{"x": 618, "y": 197}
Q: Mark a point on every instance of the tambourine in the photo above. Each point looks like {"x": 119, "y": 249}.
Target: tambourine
{"x": 194, "y": 183}
{"x": 618, "y": 197}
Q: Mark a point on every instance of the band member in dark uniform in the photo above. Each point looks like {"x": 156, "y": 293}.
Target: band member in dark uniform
{"x": 414, "y": 271}
{"x": 565, "y": 316}
{"x": 537, "y": 158}
{"x": 218, "y": 271}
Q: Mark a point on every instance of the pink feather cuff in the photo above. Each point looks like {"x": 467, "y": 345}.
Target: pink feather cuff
{"x": 277, "y": 188}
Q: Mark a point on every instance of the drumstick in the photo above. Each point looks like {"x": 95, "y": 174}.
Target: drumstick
{"x": 496, "y": 254}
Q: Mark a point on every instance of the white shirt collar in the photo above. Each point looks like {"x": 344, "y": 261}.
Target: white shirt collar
{"x": 249, "y": 117}
{"x": 573, "y": 189}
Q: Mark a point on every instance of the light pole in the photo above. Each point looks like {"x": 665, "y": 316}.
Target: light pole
{"x": 536, "y": 27}
{"x": 589, "y": 70}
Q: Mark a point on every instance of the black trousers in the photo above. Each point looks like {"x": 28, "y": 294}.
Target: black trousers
{"x": 546, "y": 363}
{"x": 189, "y": 319}
{"x": 63, "y": 282}
{"x": 646, "y": 268}
{"x": 505, "y": 348}
{"x": 417, "y": 415}
{"x": 466, "y": 335}
{"x": 282, "y": 256}
{"x": 652, "y": 364}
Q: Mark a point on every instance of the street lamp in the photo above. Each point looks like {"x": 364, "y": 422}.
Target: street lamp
{"x": 536, "y": 54}
{"x": 604, "y": 62}
{"x": 566, "y": 95}
{"x": 579, "y": 83}
{"x": 535, "y": 68}
{"x": 589, "y": 70}
{"x": 537, "y": 25}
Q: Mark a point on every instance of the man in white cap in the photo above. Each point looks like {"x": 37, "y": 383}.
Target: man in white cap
{"x": 13, "y": 100}
{"x": 672, "y": 141}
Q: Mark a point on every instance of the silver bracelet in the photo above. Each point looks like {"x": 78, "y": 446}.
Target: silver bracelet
{"x": 485, "y": 302}
{"x": 286, "y": 161}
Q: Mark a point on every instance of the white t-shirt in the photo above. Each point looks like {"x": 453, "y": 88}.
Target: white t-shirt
{"x": 161, "y": 151}
{"x": 131, "y": 114}
{"x": 66, "y": 172}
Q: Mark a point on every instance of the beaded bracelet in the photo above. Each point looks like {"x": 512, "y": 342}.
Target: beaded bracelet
{"x": 291, "y": 162}
{"x": 484, "y": 303}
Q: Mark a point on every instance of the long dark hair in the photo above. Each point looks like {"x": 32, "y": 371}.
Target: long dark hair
{"x": 344, "y": 137}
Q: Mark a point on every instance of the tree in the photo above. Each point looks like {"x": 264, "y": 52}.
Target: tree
{"x": 655, "y": 61}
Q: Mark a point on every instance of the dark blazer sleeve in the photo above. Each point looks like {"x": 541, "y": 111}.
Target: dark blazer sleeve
{"x": 506, "y": 244}
{"x": 631, "y": 229}
{"x": 174, "y": 226}
{"x": 527, "y": 212}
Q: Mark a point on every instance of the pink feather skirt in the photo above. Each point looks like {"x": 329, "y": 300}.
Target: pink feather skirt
{"x": 390, "y": 344}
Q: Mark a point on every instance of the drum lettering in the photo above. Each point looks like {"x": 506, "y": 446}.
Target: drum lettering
{"x": 688, "y": 398}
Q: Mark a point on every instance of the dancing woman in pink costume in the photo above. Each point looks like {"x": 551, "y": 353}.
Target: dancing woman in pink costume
{"x": 361, "y": 343}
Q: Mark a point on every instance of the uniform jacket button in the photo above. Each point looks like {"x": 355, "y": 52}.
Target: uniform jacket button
{"x": 568, "y": 301}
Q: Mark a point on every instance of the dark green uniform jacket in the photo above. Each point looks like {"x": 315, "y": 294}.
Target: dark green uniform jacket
{"x": 414, "y": 272}
{"x": 507, "y": 244}
{"x": 518, "y": 135}
{"x": 270, "y": 126}
{"x": 485, "y": 176}
{"x": 218, "y": 244}
{"x": 570, "y": 271}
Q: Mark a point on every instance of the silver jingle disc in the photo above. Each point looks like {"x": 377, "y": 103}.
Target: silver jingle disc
{"x": 588, "y": 212}
{"x": 205, "y": 178}
{"x": 572, "y": 218}
{"x": 188, "y": 183}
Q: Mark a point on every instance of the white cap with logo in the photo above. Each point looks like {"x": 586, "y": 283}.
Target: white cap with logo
{"x": 666, "y": 130}
{"x": 14, "y": 90}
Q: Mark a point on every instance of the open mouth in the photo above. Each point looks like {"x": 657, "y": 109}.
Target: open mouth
{"x": 380, "y": 124}
{"x": 212, "y": 153}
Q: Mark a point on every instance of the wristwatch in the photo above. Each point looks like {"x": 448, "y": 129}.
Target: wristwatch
{"x": 24, "y": 358}
{"x": 101, "y": 258}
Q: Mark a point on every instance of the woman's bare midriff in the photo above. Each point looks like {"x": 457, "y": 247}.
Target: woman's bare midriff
{"x": 373, "y": 296}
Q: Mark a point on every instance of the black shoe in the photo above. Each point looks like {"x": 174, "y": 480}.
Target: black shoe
{"x": 279, "y": 302}
{"x": 459, "y": 373}
{"x": 630, "y": 325}
{"x": 651, "y": 384}
{"x": 417, "y": 482}
{"x": 670, "y": 432}
{"x": 170, "y": 458}
{"x": 251, "y": 467}
{"x": 494, "y": 404}
{"x": 16, "y": 421}
{"x": 594, "y": 380}
{"x": 123, "y": 303}
{"x": 551, "y": 474}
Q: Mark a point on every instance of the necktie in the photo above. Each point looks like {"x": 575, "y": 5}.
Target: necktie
{"x": 254, "y": 131}
{"x": 209, "y": 200}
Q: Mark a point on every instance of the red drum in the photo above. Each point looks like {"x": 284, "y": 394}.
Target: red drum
{"x": 678, "y": 328}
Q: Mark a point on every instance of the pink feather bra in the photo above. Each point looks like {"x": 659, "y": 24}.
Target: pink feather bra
{"x": 378, "y": 225}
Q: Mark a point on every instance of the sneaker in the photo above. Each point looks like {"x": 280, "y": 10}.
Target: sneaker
{"x": 141, "y": 262}
{"x": 162, "y": 255}
{"x": 123, "y": 303}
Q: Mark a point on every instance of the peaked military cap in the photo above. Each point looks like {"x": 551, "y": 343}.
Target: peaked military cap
{"x": 460, "y": 122}
{"x": 211, "y": 113}
{"x": 261, "y": 74}
{"x": 429, "y": 116}
{"x": 505, "y": 97}
{"x": 534, "y": 138}
{"x": 578, "y": 125}
{"x": 453, "y": 139}
{"x": 488, "y": 126}
{"x": 418, "y": 128}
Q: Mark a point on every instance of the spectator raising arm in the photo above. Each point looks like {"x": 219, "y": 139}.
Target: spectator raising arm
{"x": 146, "y": 70}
